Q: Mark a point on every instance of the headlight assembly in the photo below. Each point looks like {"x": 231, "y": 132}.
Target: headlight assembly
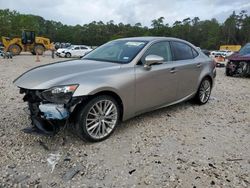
{"x": 59, "y": 94}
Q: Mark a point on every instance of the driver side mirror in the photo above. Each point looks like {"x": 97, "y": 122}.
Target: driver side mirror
{"x": 152, "y": 59}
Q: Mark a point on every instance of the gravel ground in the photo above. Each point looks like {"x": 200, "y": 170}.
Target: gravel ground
{"x": 185, "y": 145}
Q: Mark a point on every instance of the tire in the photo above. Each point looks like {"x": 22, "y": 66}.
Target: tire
{"x": 244, "y": 68}
{"x": 228, "y": 72}
{"x": 68, "y": 55}
{"x": 39, "y": 49}
{"x": 92, "y": 124}
{"x": 15, "y": 49}
{"x": 204, "y": 91}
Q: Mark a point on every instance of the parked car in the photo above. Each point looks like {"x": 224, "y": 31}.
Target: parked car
{"x": 239, "y": 63}
{"x": 115, "y": 82}
{"x": 215, "y": 53}
{"x": 60, "y": 50}
{"x": 75, "y": 51}
{"x": 226, "y": 53}
{"x": 61, "y": 45}
{"x": 223, "y": 53}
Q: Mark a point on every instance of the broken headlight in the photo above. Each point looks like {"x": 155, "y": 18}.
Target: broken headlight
{"x": 59, "y": 94}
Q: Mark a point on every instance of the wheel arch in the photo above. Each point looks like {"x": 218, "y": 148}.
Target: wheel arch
{"x": 21, "y": 47}
{"x": 111, "y": 93}
{"x": 68, "y": 53}
{"x": 115, "y": 96}
{"x": 206, "y": 76}
{"x": 209, "y": 78}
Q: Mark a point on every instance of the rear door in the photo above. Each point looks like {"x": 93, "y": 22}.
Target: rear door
{"x": 188, "y": 68}
{"x": 155, "y": 87}
{"x": 83, "y": 50}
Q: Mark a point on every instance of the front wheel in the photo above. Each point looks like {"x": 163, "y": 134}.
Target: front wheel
{"x": 98, "y": 118}
{"x": 228, "y": 72}
{"x": 204, "y": 91}
{"x": 68, "y": 55}
{"x": 15, "y": 49}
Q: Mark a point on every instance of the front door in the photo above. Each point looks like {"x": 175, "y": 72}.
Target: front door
{"x": 76, "y": 51}
{"x": 155, "y": 87}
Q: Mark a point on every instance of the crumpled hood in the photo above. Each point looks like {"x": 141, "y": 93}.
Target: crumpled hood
{"x": 239, "y": 57}
{"x": 61, "y": 73}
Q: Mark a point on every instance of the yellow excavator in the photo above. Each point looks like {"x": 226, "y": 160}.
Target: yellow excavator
{"x": 27, "y": 43}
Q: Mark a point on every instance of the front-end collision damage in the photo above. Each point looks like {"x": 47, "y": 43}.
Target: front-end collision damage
{"x": 47, "y": 117}
{"x": 238, "y": 68}
{"x": 54, "y": 111}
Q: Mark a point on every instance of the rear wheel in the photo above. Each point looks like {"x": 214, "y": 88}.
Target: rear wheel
{"x": 15, "y": 49}
{"x": 39, "y": 49}
{"x": 204, "y": 91}
{"x": 228, "y": 72}
{"x": 98, "y": 119}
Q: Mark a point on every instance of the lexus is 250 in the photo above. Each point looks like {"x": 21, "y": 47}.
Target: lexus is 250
{"x": 116, "y": 81}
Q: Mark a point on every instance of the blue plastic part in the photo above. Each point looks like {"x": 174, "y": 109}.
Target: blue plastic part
{"x": 54, "y": 111}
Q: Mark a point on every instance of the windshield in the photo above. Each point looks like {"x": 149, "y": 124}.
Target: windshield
{"x": 120, "y": 51}
{"x": 245, "y": 50}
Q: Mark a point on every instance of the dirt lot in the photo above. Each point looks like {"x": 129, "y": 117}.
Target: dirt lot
{"x": 185, "y": 145}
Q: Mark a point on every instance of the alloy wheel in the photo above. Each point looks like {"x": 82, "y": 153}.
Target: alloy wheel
{"x": 101, "y": 119}
{"x": 205, "y": 91}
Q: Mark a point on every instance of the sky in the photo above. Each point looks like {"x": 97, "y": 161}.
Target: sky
{"x": 81, "y": 12}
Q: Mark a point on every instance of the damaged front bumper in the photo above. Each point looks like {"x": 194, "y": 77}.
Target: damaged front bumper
{"x": 47, "y": 117}
{"x": 238, "y": 68}
{"x": 54, "y": 111}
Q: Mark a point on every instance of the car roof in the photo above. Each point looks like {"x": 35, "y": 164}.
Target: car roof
{"x": 150, "y": 38}
{"x": 79, "y": 45}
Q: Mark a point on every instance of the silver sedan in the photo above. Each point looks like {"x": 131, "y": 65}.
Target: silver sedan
{"x": 117, "y": 81}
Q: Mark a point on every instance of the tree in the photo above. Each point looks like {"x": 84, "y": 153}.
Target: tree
{"x": 207, "y": 34}
{"x": 158, "y": 23}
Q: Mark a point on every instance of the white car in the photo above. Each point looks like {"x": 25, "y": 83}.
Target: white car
{"x": 75, "y": 51}
{"x": 60, "y": 50}
{"x": 224, "y": 53}
{"x": 227, "y": 53}
{"x": 216, "y": 53}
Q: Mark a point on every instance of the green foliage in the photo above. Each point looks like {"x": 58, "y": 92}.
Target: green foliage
{"x": 208, "y": 34}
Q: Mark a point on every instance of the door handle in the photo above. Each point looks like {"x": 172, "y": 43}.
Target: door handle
{"x": 198, "y": 65}
{"x": 173, "y": 70}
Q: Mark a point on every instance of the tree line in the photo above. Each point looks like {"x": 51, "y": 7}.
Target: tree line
{"x": 207, "y": 34}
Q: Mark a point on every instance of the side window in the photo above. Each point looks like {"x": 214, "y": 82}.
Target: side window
{"x": 83, "y": 48}
{"x": 161, "y": 49}
{"x": 77, "y": 48}
{"x": 195, "y": 53}
{"x": 182, "y": 51}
